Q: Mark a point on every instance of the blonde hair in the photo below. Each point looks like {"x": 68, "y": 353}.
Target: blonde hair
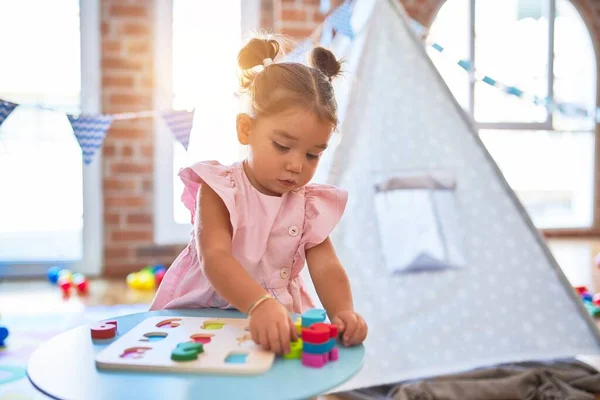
{"x": 283, "y": 85}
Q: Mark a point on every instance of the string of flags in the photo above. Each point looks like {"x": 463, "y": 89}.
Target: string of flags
{"x": 567, "y": 109}
{"x": 339, "y": 21}
{"x": 90, "y": 129}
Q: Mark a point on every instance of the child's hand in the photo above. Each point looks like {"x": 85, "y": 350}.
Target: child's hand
{"x": 353, "y": 327}
{"x": 272, "y": 328}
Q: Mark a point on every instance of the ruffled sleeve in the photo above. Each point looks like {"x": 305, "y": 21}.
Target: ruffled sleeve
{"x": 324, "y": 208}
{"x": 215, "y": 175}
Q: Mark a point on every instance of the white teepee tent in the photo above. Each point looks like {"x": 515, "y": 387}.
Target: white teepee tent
{"x": 508, "y": 301}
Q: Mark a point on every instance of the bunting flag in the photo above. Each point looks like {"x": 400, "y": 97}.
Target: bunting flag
{"x": 180, "y": 123}
{"x": 340, "y": 19}
{"x": 90, "y": 129}
{"x": 6, "y": 107}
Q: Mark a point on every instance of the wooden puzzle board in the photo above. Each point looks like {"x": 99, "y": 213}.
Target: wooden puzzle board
{"x": 226, "y": 343}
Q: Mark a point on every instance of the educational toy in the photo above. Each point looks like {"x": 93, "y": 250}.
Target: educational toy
{"x": 187, "y": 344}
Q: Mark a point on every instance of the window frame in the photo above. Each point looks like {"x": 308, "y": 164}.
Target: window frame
{"x": 92, "y": 233}
{"x": 166, "y": 230}
{"x": 536, "y": 126}
{"x": 547, "y": 125}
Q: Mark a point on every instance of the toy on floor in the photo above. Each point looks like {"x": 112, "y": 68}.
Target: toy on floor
{"x": 187, "y": 344}
{"x": 3, "y": 335}
{"x": 146, "y": 279}
{"x": 317, "y": 344}
{"x": 67, "y": 280}
{"x": 590, "y": 301}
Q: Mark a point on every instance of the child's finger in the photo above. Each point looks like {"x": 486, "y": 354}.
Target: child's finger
{"x": 360, "y": 333}
{"x": 284, "y": 338}
{"x": 351, "y": 326}
{"x": 292, "y": 328}
{"x": 264, "y": 339}
{"x": 337, "y": 321}
{"x": 274, "y": 339}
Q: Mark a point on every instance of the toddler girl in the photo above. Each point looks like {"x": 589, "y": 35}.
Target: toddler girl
{"x": 258, "y": 221}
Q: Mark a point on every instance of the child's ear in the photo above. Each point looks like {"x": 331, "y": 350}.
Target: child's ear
{"x": 244, "y": 125}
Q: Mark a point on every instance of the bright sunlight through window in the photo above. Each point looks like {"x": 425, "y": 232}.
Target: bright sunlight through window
{"x": 205, "y": 47}
{"x": 547, "y": 158}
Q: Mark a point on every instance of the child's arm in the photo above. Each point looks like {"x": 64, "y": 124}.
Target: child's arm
{"x": 333, "y": 287}
{"x": 214, "y": 234}
{"x": 270, "y": 323}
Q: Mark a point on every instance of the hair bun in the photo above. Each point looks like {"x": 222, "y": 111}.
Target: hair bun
{"x": 325, "y": 61}
{"x": 255, "y": 51}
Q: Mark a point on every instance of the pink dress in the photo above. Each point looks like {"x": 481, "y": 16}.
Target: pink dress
{"x": 270, "y": 236}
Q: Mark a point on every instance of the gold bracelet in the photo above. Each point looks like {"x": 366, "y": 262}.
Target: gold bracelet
{"x": 259, "y": 301}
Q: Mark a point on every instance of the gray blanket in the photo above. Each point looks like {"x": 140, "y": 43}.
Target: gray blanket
{"x": 564, "y": 380}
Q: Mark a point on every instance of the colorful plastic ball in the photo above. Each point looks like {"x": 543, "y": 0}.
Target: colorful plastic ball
{"x": 53, "y": 274}
{"x": 80, "y": 282}
{"x": 158, "y": 268}
{"x": 65, "y": 284}
{"x": 145, "y": 280}
{"x": 131, "y": 279}
{"x": 586, "y": 296}
{"x": 3, "y": 335}
{"x": 64, "y": 273}
{"x": 159, "y": 275}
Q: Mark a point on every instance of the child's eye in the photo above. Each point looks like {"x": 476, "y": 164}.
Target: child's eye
{"x": 280, "y": 147}
{"x": 312, "y": 156}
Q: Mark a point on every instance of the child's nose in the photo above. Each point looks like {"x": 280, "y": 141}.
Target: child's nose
{"x": 294, "y": 165}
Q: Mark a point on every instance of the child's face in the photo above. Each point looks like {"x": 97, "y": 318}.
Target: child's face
{"x": 284, "y": 149}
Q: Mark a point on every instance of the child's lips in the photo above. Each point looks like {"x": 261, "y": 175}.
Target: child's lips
{"x": 287, "y": 182}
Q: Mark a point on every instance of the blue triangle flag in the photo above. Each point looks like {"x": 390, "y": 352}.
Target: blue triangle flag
{"x": 6, "y": 107}
{"x": 90, "y": 130}
{"x": 180, "y": 122}
{"x": 340, "y": 19}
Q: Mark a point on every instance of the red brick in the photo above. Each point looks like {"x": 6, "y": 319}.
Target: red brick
{"x": 293, "y": 15}
{"x": 119, "y": 184}
{"x": 121, "y": 63}
{"x": 145, "y": 219}
{"x": 298, "y": 32}
{"x": 318, "y": 17}
{"x": 112, "y": 218}
{"x": 111, "y": 46}
{"x": 117, "y": 81}
{"x": 111, "y": 201}
{"x": 121, "y": 10}
{"x": 138, "y": 47}
{"x": 121, "y": 269}
{"x": 132, "y": 236}
{"x": 109, "y": 150}
{"x": 135, "y": 29}
{"x": 105, "y": 29}
{"x": 117, "y": 252}
{"x": 124, "y": 132}
{"x": 147, "y": 186}
{"x": 131, "y": 168}
{"x": 127, "y": 151}
{"x": 122, "y": 99}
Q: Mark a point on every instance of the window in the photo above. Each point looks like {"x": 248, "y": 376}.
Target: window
{"x": 196, "y": 70}
{"x": 543, "y": 48}
{"x": 49, "y": 202}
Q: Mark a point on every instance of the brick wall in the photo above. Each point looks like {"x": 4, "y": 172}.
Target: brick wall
{"x": 127, "y": 85}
